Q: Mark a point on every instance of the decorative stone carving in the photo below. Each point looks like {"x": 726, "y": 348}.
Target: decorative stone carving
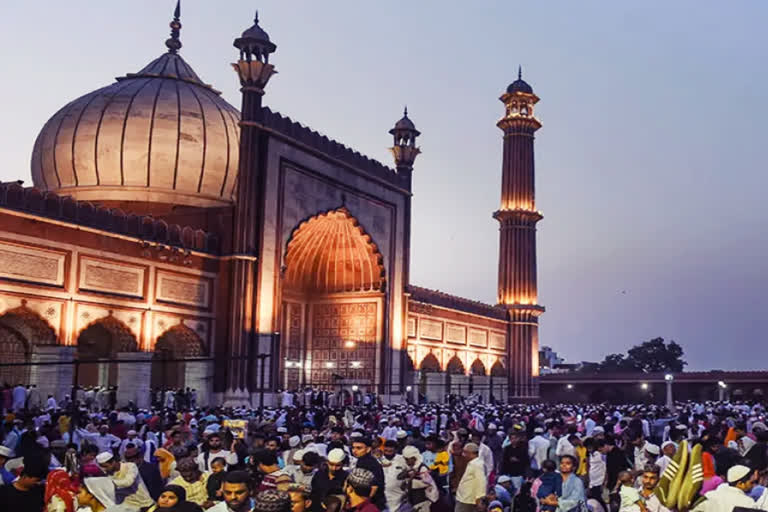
{"x": 498, "y": 341}
{"x": 430, "y": 329}
{"x": 192, "y": 291}
{"x": 101, "y": 276}
{"x": 478, "y": 337}
{"x": 411, "y": 327}
{"x": 31, "y": 264}
{"x": 455, "y": 334}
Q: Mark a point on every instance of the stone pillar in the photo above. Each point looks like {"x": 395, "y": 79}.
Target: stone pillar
{"x": 133, "y": 379}
{"x": 103, "y": 372}
{"x": 198, "y": 375}
{"x": 670, "y": 400}
{"x": 500, "y": 386}
{"x": 435, "y": 384}
{"x": 460, "y": 385}
{"x": 53, "y": 379}
{"x": 481, "y": 384}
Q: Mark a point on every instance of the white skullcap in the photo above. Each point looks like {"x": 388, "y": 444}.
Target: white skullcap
{"x": 503, "y": 478}
{"x": 651, "y": 448}
{"x": 131, "y": 433}
{"x": 737, "y": 472}
{"x": 598, "y": 430}
{"x": 355, "y": 434}
{"x": 6, "y": 452}
{"x": 492, "y": 426}
{"x": 104, "y": 457}
{"x": 538, "y": 430}
{"x": 294, "y": 441}
{"x": 402, "y": 434}
{"x": 282, "y": 430}
{"x": 299, "y": 455}
{"x": 336, "y": 456}
{"x": 410, "y": 452}
{"x": 669, "y": 443}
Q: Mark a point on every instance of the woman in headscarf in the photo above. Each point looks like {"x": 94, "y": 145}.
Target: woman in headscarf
{"x": 174, "y": 499}
{"x": 97, "y": 494}
{"x": 59, "y": 492}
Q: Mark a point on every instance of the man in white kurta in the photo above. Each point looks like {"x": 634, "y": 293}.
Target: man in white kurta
{"x": 473, "y": 483}
{"x": 741, "y": 480}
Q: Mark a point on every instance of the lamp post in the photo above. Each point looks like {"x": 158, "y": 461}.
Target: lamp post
{"x": 669, "y": 379}
{"x": 721, "y": 387}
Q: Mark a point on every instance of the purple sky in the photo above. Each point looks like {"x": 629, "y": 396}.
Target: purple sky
{"x": 651, "y": 165}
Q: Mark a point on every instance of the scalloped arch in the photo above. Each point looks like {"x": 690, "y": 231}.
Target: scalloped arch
{"x": 331, "y": 252}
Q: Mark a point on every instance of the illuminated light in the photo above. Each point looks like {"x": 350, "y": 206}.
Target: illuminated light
{"x": 349, "y": 344}
{"x": 644, "y": 385}
{"x": 356, "y": 364}
{"x": 570, "y": 386}
{"x": 669, "y": 377}
{"x": 722, "y": 384}
{"x": 355, "y": 388}
{"x": 408, "y": 389}
{"x": 329, "y": 365}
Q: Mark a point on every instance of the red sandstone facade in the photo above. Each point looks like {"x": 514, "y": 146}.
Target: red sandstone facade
{"x": 164, "y": 224}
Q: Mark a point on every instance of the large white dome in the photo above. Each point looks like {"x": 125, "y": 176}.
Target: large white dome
{"x": 160, "y": 136}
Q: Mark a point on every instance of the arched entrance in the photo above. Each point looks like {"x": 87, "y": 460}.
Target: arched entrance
{"x": 102, "y": 339}
{"x": 498, "y": 370}
{"x": 430, "y": 378}
{"x": 21, "y": 329}
{"x": 332, "y": 302}
{"x": 178, "y": 342}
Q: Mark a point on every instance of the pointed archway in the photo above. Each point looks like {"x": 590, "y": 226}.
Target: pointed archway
{"x": 455, "y": 366}
{"x": 332, "y": 280}
{"x": 477, "y": 368}
{"x": 21, "y": 329}
{"x": 430, "y": 364}
{"x": 178, "y": 342}
{"x": 102, "y": 339}
{"x": 498, "y": 370}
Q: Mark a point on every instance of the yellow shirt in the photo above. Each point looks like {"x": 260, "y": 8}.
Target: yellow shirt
{"x": 581, "y": 453}
{"x": 197, "y": 492}
{"x": 441, "y": 462}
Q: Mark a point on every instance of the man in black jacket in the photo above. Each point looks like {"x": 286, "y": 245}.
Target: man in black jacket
{"x": 361, "y": 448}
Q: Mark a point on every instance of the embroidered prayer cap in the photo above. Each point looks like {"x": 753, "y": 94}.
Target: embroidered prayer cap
{"x": 737, "y": 472}
{"x": 272, "y": 500}
{"x": 360, "y": 477}
{"x": 336, "y": 456}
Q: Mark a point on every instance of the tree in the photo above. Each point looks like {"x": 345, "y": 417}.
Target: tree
{"x": 651, "y": 356}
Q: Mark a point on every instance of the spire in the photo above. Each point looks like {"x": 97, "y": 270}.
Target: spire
{"x": 405, "y": 111}
{"x": 174, "y": 43}
{"x": 519, "y": 72}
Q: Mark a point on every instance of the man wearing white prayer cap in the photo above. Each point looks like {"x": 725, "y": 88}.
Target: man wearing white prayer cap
{"x": 129, "y": 487}
{"x": 734, "y": 492}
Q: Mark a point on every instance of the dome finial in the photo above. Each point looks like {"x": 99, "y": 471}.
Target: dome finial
{"x": 405, "y": 111}
{"x": 519, "y": 72}
{"x": 174, "y": 43}
{"x": 256, "y": 18}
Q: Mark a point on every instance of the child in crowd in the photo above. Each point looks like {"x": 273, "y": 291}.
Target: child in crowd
{"x": 629, "y": 495}
{"x": 550, "y": 483}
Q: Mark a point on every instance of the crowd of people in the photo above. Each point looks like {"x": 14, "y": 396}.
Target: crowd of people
{"x": 313, "y": 455}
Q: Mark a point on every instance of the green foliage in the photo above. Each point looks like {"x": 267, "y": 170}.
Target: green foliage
{"x": 651, "y": 356}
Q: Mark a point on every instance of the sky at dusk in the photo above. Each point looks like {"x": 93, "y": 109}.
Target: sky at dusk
{"x": 651, "y": 163}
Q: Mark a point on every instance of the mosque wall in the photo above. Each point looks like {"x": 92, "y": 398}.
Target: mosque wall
{"x": 58, "y": 279}
{"x": 446, "y": 333}
{"x": 302, "y": 183}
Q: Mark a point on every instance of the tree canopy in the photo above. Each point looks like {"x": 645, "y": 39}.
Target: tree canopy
{"x": 654, "y": 355}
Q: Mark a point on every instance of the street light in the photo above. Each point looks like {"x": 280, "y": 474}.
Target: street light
{"x": 670, "y": 401}
{"x": 570, "y": 386}
{"x": 722, "y": 384}
{"x": 644, "y": 385}
{"x": 349, "y": 344}
{"x": 669, "y": 377}
{"x": 355, "y": 388}
{"x": 408, "y": 388}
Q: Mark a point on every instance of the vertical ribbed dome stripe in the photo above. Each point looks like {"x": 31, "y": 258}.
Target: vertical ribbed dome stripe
{"x": 205, "y": 135}
{"x": 107, "y": 104}
{"x": 151, "y": 129}
{"x": 125, "y": 124}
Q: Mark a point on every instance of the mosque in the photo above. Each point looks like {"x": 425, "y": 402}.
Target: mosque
{"x": 171, "y": 240}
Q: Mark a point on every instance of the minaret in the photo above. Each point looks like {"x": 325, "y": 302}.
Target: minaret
{"x": 254, "y": 71}
{"x": 517, "y": 248}
{"x": 404, "y": 151}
